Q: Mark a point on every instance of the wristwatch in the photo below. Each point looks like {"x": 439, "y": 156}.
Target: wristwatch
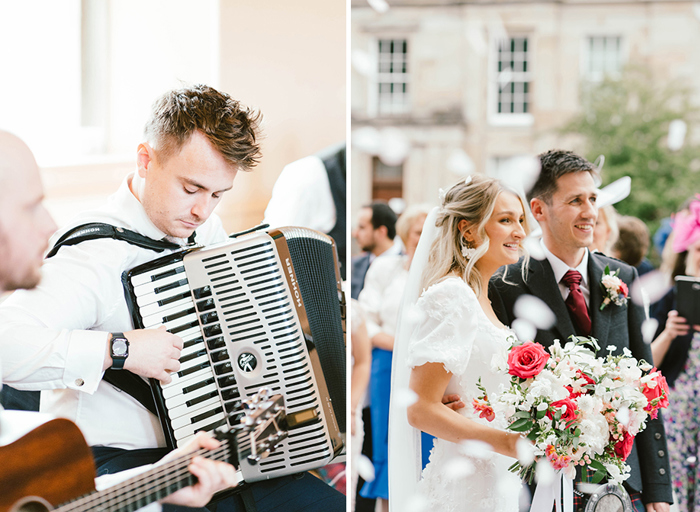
{"x": 119, "y": 350}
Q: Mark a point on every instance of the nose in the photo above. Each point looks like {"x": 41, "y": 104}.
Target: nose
{"x": 519, "y": 231}
{"x": 202, "y": 208}
{"x": 590, "y": 210}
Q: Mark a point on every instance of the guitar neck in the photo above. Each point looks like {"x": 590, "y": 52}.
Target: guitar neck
{"x": 145, "y": 488}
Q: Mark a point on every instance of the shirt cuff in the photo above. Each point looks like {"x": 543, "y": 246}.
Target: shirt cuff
{"x": 84, "y": 360}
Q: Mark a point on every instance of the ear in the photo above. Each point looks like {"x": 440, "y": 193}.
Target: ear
{"x": 383, "y": 230}
{"x": 463, "y": 227}
{"x": 538, "y": 208}
{"x": 144, "y": 158}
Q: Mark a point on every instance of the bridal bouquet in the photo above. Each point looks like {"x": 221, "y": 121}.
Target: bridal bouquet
{"x": 578, "y": 409}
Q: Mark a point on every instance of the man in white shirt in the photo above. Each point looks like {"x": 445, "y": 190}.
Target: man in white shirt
{"x": 25, "y": 227}
{"x": 57, "y": 337}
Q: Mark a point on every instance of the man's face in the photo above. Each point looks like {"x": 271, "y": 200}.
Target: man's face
{"x": 568, "y": 222}
{"x": 180, "y": 192}
{"x": 25, "y": 225}
{"x": 364, "y": 233}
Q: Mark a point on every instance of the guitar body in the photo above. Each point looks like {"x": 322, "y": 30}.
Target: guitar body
{"x": 51, "y": 464}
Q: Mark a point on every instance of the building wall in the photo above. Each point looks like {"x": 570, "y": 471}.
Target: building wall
{"x": 451, "y": 66}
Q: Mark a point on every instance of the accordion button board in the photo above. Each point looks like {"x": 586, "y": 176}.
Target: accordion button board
{"x": 238, "y": 308}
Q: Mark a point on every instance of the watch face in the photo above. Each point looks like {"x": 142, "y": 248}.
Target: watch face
{"x": 119, "y": 348}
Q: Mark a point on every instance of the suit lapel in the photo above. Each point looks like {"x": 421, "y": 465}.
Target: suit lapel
{"x": 600, "y": 320}
{"x": 543, "y": 285}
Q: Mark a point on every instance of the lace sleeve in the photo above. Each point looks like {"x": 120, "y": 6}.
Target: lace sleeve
{"x": 446, "y": 325}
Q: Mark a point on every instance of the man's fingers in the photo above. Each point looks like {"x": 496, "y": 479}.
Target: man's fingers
{"x": 164, "y": 378}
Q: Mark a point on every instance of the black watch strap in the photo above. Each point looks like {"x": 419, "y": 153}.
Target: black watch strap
{"x": 119, "y": 350}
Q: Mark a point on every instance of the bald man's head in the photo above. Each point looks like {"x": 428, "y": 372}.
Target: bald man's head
{"x": 25, "y": 225}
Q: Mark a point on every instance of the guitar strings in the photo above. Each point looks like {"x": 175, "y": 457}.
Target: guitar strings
{"x": 142, "y": 486}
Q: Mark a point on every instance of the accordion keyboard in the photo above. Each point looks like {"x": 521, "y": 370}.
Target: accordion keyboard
{"x": 238, "y": 309}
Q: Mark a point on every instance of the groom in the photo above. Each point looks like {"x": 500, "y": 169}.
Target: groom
{"x": 563, "y": 201}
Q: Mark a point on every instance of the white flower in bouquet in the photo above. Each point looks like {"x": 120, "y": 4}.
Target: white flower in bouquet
{"x": 577, "y": 409}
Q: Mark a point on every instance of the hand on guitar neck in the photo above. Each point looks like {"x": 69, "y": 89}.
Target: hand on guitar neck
{"x": 212, "y": 475}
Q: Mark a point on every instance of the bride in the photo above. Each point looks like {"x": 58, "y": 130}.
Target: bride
{"x": 447, "y": 338}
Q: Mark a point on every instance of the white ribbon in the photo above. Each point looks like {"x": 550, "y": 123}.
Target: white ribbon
{"x": 548, "y": 495}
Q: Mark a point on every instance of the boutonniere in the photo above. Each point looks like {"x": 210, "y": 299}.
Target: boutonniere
{"x": 614, "y": 289}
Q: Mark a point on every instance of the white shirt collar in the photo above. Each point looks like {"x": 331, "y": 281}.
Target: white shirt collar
{"x": 560, "y": 268}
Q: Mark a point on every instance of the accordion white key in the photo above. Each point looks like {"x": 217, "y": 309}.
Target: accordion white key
{"x": 265, "y": 309}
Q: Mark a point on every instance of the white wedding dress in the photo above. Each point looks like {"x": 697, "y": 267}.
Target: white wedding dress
{"x": 452, "y": 329}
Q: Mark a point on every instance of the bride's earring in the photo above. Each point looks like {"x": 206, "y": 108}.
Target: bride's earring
{"x": 467, "y": 252}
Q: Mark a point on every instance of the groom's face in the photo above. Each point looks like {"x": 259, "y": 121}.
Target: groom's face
{"x": 569, "y": 218}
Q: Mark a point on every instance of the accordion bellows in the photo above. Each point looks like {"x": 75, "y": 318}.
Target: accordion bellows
{"x": 264, "y": 309}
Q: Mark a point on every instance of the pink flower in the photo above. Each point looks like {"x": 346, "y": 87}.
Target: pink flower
{"x": 484, "y": 410}
{"x": 624, "y": 446}
{"x": 624, "y": 290}
{"x": 657, "y": 396}
{"x": 558, "y": 461}
{"x": 568, "y": 407}
{"x": 527, "y": 360}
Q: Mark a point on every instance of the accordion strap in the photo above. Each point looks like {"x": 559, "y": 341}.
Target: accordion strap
{"x": 95, "y": 230}
{"x": 133, "y": 385}
{"x": 123, "y": 379}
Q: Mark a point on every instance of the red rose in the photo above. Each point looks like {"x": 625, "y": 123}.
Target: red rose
{"x": 624, "y": 291}
{"x": 568, "y": 408}
{"x": 623, "y": 447}
{"x": 658, "y": 393}
{"x": 527, "y": 360}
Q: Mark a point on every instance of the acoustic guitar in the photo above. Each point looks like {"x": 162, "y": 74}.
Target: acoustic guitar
{"x": 52, "y": 464}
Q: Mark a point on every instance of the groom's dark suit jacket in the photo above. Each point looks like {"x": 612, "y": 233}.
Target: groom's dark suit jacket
{"x": 615, "y": 325}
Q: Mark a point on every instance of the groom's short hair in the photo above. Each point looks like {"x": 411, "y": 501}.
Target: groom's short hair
{"x": 554, "y": 164}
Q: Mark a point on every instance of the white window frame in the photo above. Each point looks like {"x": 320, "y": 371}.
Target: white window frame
{"x": 501, "y": 118}
{"x": 599, "y": 76}
{"x": 374, "y": 98}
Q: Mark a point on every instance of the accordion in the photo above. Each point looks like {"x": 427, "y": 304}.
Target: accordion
{"x": 265, "y": 309}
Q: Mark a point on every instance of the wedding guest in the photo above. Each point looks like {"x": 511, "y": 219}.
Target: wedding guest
{"x": 676, "y": 351}
{"x": 632, "y": 243}
{"x": 605, "y": 232}
{"x": 380, "y": 300}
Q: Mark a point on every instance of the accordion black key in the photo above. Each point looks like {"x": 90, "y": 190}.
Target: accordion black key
{"x": 262, "y": 310}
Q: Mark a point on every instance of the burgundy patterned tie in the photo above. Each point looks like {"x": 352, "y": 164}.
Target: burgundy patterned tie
{"x": 576, "y": 303}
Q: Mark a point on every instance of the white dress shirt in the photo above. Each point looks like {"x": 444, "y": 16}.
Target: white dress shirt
{"x": 54, "y": 337}
{"x": 560, "y": 268}
{"x": 302, "y": 197}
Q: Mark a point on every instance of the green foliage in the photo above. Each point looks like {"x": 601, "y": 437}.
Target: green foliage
{"x": 627, "y": 121}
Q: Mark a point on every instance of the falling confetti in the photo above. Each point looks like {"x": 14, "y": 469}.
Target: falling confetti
{"x": 524, "y": 329}
{"x": 394, "y": 146}
{"x": 417, "y": 503}
{"x": 476, "y": 449}
{"x": 520, "y": 173}
{"x": 526, "y": 452}
{"x": 649, "y": 327}
{"x": 614, "y": 192}
{"x": 405, "y": 397}
{"x": 363, "y": 62}
{"x": 367, "y": 140}
{"x": 654, "y": 284}
{"x": 459, "y": 163}
{"x": 691, "y": 460}
{"x": 381, "y": 6}
{"x": 534, "y": 248}
{"x": 458, "y": 468}
{"x": 676, "y": 134}
{"x": 623, "y": 416}
{"x": 534, "y": 310}
{"x": 398, "y": 204}
{"x": 365, "y": 468}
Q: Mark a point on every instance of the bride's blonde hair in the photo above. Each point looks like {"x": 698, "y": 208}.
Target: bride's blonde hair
{"x": 473, "y": 200}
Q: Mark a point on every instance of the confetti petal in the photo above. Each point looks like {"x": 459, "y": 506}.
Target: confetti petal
{"x": 691, "y": 460}
{"x": 623, "y": 416}
{"x": 367, "y": 140}
{"x": 476, "y": 449}
{"x": 458, "y": 468}
{"x": 535, "y": 310}
{"x": 534, "y": 248}
{"x": 524, "y": 329}
{"x": 459, "y": 163}
{"x": 676, "y": 134}
{"x": 526, "y": 452}
{"x": 520, "y": 173}
{"x": 417, "y": 503}
{"x": 649, "y": 327}
{"x": 365, "y": 468}
{"x": 363, "y": 62}
{"x": 381, "y": 6}
{"x": 405, "y": 397}
{"x": 651, "y": 287}
{"x": 394, "y": 146}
